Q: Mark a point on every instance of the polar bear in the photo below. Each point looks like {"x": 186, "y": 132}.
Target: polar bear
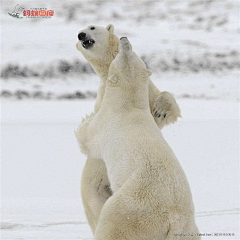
{"x": 151, "y": 196}
{"x": 99, "y": 46}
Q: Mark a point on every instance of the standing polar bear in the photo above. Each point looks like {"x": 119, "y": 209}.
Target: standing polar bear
{"x": 99, "y": 46}
{"x": 152, "y": 199}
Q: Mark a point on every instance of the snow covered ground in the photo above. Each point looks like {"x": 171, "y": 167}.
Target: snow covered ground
{"x": 42, "y": 164}
{"x": 192, "y": 47}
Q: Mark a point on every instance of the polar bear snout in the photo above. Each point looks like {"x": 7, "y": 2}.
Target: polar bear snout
{"x": 82, "y": 36}
{"x": 86, "y": 41}
{"x": 125, "y": 45}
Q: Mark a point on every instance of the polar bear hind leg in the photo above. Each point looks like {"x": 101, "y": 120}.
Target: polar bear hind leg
{"x": 123, "y": 218}
{"x": 95, "y": 190}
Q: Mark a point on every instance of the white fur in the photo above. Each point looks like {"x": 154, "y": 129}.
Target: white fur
{"x": 95, "y": 186}
{"x": 100, "y": 57}
{"x": 94, "y": 178}
{"x": 152, "y": 199}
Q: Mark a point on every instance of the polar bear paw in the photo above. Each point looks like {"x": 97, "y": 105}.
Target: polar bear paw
{"x": 81, "y": 133}
{"x": 165, "y": 109}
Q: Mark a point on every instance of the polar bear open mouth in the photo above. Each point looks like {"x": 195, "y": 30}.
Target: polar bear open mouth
{"x": 88, "y": 43}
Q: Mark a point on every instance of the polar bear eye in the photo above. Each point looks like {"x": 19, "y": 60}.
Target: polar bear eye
{"x": 92, "y": 28}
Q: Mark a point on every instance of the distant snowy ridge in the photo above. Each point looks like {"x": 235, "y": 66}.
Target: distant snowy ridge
{"x": 157, "y": 62}
{"x": 65, "y": 71}
{"x": 41, "y": 95}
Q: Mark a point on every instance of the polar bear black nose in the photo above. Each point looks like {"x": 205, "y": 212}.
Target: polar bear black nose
{"x": 81, "y": 36}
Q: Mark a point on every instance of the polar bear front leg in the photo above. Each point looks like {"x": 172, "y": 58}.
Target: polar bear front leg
{"x": 165, "y": 109}
{"x": 81, "y": 133}
{"x": 163, "y": 105}
{"x": 95, "y": 190}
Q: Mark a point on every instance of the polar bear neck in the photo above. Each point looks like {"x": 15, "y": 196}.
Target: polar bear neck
{"x": 101, "y": 65}
{"x": 121, "y": 99}
{"x": 101, "y": 68}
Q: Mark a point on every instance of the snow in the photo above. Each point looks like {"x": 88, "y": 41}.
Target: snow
{"x": 42, "y": 165}
{"x": 200, "y": 86}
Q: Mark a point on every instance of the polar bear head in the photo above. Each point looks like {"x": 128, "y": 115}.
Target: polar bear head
{"x": 127, "y": 68}
{"x": 98, "y": 45}
{"x": 129, "y": 74}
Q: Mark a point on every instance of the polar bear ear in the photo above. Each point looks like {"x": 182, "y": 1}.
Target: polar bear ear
{"x": 113, "y": 78}
{"x": 110, "y": 28}
{"x": 148, "y": 72}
